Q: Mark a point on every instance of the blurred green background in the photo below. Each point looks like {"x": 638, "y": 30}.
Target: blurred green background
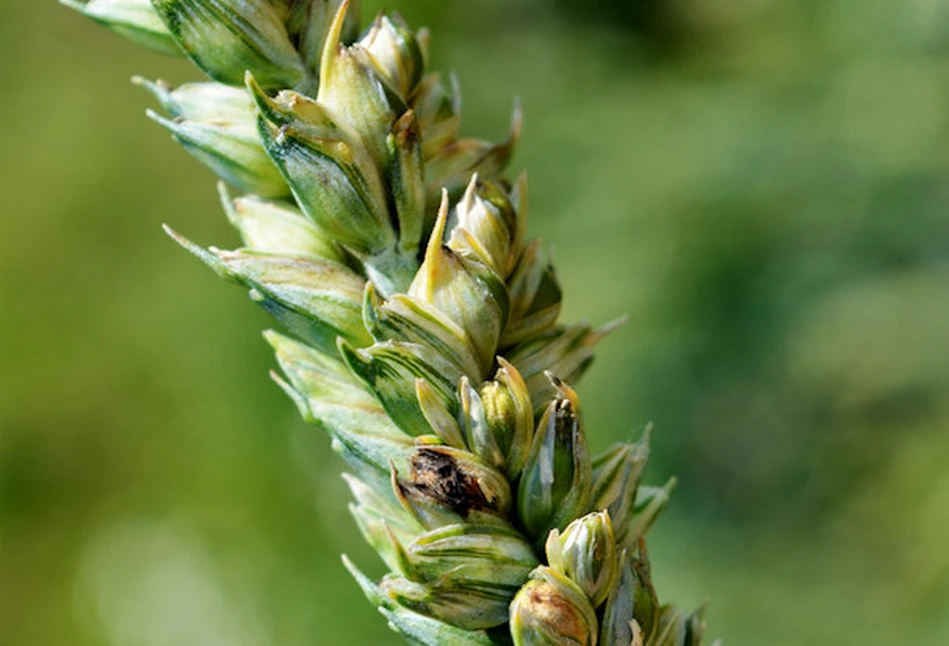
{"x": 762, "y": 185}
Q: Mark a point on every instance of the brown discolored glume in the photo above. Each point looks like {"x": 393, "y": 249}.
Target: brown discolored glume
{"x": 436, "y": 475}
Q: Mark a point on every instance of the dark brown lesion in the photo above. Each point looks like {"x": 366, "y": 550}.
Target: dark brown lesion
{"x": 565, "y": 426}
{"x": 437, "y": 476}
{"x": 565, "y": 417}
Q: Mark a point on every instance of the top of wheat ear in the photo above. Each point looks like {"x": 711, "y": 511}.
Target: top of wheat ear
{"x": 420, "y": 323}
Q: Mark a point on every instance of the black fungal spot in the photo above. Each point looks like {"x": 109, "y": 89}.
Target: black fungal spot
{"x": 437, "y": 476}
{"x": 565, "y": 421}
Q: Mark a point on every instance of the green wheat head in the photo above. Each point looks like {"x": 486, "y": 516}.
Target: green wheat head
{"x": 420, "y": 322}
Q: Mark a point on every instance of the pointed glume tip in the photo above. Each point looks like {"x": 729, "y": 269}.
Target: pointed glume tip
{"x": 556, "y": 381}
